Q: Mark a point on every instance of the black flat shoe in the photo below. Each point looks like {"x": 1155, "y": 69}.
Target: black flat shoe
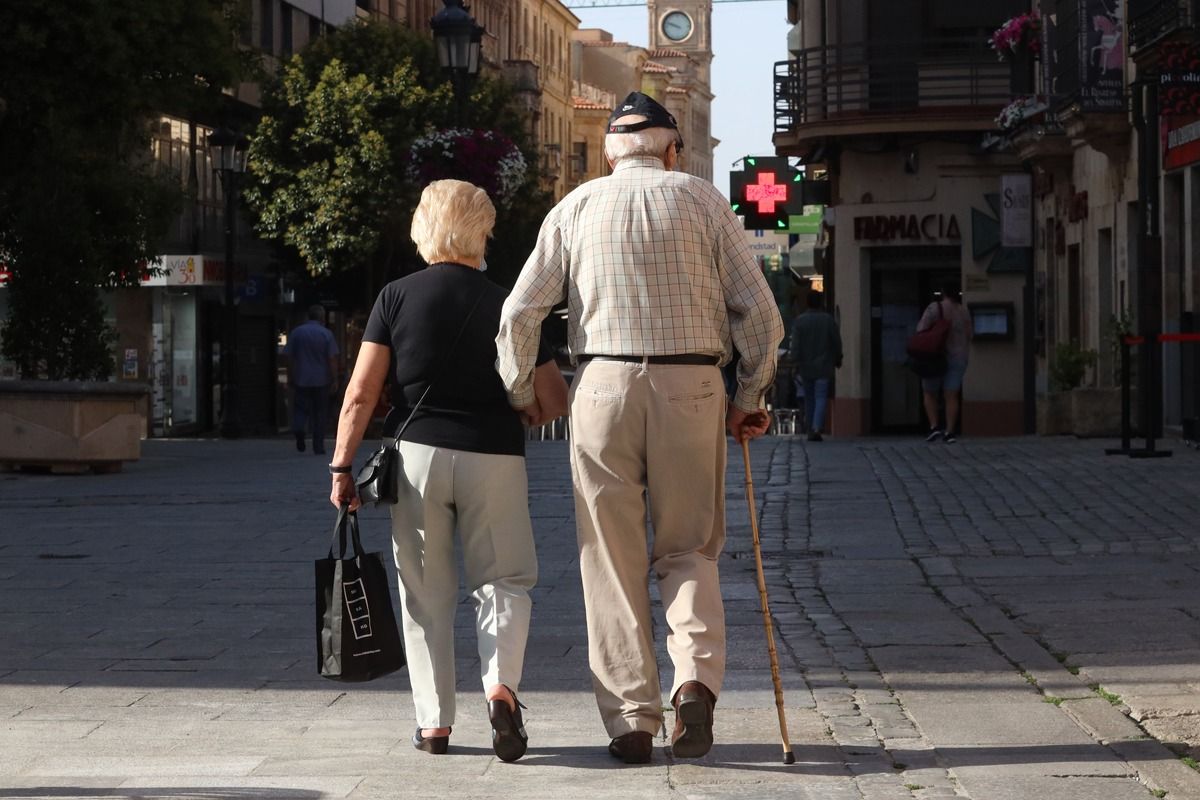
{"x": 437, "y": 745}
{"x": 508, "y": 731}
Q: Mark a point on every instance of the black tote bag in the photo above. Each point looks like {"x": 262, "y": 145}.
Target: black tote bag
{"x": 357, "y": 637}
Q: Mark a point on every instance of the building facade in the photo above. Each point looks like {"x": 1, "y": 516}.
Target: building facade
{"x": 892, "y": 99}
{"x": 605, "y": 71}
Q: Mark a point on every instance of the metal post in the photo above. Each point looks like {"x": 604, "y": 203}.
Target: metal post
{"x": 1126, "y": 406}
{"x": 229, "y": 367}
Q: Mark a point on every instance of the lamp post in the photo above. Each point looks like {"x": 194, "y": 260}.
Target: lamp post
{"x": 228, "y": 150}
{"x": 459, "y": 40}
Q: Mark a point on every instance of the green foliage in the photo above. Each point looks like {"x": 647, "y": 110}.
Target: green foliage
{"x": 81, "y": 206}
{"x": 1069, "y": 365}
{"x": 329, "y": 156}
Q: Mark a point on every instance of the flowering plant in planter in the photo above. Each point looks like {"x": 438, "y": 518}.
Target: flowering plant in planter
{"x": 1022, "y": 31}
{"x": 1019, "y": 109}
{"x": 487, "y": 159}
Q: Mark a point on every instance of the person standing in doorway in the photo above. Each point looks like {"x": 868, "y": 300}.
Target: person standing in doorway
{"x": 312, "y": 367}
{"x": 948, "y": 306}
{"x": 660, "y": 287}
{"x": 815, "y": 348}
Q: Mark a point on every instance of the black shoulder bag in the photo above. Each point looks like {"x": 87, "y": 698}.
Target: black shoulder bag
{"x": 378, "y": 481}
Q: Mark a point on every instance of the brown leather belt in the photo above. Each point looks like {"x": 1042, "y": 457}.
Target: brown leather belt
{"x": 694, "y": 359}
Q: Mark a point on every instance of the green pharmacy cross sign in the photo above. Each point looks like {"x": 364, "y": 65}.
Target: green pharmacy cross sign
{"x": 768, "y": 191}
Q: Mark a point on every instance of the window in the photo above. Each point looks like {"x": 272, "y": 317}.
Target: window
{"x": 266, "y": 25}
{"x": 285, "y": 24}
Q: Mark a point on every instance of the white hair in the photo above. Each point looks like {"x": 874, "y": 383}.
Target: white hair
{"x": 452, "y": 222}
{"x": 646, "y": 142}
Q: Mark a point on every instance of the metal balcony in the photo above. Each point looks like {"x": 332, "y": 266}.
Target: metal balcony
{"x": 1153, "y": 20}
{"x": 892, "y": 85}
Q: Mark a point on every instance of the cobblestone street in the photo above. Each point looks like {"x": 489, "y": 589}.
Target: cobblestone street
{"x": 999, "y": 619}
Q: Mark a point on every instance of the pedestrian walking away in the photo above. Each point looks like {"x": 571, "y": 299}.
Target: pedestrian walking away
{"x": 312, "y": 371}
{"x": 815, "y": 347}
{"x": 660, "y": 287}
{"x": 948, "y": 385}
{"x": 463, "y": 463}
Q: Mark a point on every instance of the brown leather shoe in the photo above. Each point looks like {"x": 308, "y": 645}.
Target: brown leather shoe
{"x": 693, "y": 735}
{"x": 635, "y": 747}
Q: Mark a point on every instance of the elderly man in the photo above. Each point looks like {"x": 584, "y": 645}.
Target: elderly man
{"x": 660, "y": 286}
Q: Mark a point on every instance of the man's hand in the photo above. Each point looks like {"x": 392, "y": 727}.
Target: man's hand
{"x": 743, "y": 426}
{"x": 532, "y": 415}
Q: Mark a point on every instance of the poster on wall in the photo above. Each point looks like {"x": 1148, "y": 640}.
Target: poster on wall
{"x": 1102, "y": 55}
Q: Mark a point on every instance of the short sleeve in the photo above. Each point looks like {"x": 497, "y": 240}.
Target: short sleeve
{"x": 379, "y": 328}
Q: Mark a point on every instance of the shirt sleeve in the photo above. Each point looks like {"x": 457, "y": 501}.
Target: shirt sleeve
{"x": 378, "y": 329}
{"x": 754, "y": 321}
{"x": 540, "y": 286}
{"x": 926, "y": 318}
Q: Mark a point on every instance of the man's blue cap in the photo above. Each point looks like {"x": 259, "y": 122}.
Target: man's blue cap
{"x": 645, "y": 106}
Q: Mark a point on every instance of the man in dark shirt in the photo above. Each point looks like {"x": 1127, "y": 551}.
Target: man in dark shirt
{"x": 816, "y": 349}
{"x": 312, "y": 366}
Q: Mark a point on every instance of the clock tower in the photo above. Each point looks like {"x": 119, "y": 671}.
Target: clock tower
{"x": 681, "y": 41}
{"x": 684, "y": 25}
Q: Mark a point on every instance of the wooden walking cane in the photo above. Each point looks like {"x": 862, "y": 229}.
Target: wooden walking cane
{"x": 788, "y": 758}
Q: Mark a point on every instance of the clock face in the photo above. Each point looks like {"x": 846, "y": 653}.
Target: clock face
{"x": 677, "y": 26}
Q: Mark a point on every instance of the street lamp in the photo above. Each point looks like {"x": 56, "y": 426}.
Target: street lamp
{"x": 228, "y": 150}
{"x": 458, "y": 39}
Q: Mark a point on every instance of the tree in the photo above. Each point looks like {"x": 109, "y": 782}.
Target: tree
{"x": 331, "y": 159}
{"x": 81, "y": 204}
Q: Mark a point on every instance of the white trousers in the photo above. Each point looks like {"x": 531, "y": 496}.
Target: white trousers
{"x": 485, "y": 498}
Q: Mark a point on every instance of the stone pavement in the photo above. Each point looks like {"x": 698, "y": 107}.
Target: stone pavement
{"x": 996, "y": 620}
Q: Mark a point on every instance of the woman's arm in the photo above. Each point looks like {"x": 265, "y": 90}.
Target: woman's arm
{"x": 362, "y": 394}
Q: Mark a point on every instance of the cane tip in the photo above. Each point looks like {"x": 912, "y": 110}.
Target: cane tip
{"x": 788, "y": 758}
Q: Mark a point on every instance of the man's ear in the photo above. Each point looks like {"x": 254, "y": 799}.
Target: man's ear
{"x": 670, "y": 157}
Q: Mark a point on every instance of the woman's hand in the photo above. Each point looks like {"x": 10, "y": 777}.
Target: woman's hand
{"x": 343, "y": 492}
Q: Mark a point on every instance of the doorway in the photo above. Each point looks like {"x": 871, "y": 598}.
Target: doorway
{"x": 904, "y": 281}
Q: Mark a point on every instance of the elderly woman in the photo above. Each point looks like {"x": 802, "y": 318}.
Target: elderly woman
{"x": 463, "y": 463}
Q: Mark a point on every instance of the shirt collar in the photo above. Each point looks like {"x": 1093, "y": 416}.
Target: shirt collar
{"x": 632, "y": 162}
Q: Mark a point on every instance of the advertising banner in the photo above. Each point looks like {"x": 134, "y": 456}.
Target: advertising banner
{"x": 1016, "y": 211}
{"x": 1102, "y": 55}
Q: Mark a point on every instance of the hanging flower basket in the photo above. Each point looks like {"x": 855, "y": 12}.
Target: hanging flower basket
{"x": 1022, "y": 32}
{"x": 1019, "y": 110}
{"x": 487, "y": 159}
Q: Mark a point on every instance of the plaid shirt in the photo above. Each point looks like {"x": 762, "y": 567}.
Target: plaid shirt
{"x": 650, "y": 262}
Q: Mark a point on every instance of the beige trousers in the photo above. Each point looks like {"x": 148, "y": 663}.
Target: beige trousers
{"x": 484, "y": 497}
{"x": 649, "y": 434}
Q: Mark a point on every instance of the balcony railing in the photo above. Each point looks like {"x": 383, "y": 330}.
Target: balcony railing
{"x": 843, "y": 82}
{"x": 1152, "y": 20}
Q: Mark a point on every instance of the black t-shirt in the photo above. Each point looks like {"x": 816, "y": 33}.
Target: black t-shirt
{"x": 418, "y": 317}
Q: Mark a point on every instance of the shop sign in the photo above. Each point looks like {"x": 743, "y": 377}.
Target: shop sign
{"x": 1016, "y": 211}
{"x": 185, "y": 270}
{"x": 1180, "y": 140}
{"x": 809, "y": 222}
{"x": 1179, "y": 79}
{"x": 911, "y": 227}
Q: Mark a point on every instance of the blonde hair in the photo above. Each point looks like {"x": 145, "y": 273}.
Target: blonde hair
{"x": 646, "y": 142}
{"x": 452, "y": 222}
